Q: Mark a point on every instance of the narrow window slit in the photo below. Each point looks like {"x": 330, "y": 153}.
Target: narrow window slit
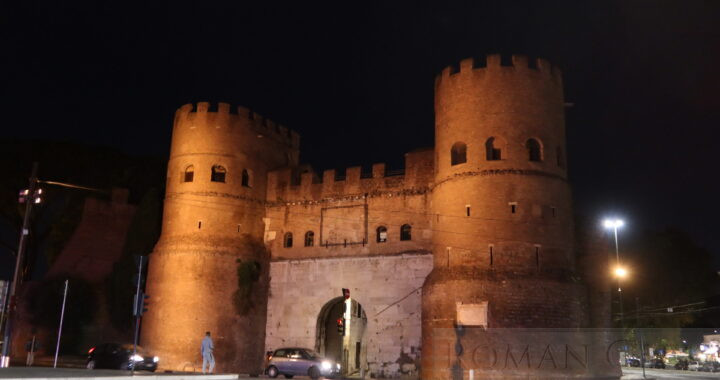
{"x": 491, "y": 255}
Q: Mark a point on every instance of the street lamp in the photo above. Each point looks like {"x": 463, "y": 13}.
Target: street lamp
{"x": 29, "y": 197}
{"x": 620, "y": 272}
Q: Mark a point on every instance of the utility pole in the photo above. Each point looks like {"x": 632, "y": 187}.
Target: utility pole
{"x": 137, "y": 310}
{"x": 617, "y": 258}
{"x": 62, "y": 317}
{"x": 29, "y": 201}
{"x": 642, "y": 343}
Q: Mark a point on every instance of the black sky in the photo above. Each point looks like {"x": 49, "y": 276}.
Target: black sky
{"x": 355, "y": 80}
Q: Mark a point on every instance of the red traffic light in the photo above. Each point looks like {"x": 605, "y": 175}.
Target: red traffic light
{"x": 346, "y": 293}
{"x": 341, "y": 326}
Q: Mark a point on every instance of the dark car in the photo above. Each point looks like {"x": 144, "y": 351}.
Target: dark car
{"x": 120, "y": 356}
{"x": 710, "y": 367}
{"x": 300, "y": 361}
{"x": 682, "y": 365}
{"x": 633, "y": 362}
{"x": 655, "y": 363}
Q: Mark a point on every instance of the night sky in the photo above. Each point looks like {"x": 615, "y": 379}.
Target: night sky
{"x": 355, "y": 79}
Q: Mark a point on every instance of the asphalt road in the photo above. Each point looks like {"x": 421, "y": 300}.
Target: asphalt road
{"x": 636, "y": 373}
{"x": 70, "y": 373}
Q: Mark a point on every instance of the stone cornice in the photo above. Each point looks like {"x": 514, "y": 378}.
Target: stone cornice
{"x": 403, "y": 254}
{"x": 496, "y": 172}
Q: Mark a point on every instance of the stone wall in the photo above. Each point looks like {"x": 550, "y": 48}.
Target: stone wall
{"x": 348, "y": 226}
{"x": 388, "y": 287}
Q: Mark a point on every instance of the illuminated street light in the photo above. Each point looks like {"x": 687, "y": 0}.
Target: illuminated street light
{"x": 613, "y": 223}
{"x": 620, "y": 272}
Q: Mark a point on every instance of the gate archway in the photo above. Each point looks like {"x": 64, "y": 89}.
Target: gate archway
{"x": 348, "y": 349}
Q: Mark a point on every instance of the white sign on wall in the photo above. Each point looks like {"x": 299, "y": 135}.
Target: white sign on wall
{"x": 472, "y": 314}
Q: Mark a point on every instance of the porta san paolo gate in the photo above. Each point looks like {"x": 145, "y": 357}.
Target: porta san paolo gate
{"x": 477, "y": 232}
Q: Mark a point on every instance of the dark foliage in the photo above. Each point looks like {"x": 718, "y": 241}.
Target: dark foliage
{"x": 56, "y": 218}
{"x": 250, "y": 273}
{"x": 667, "y": 270}
{"x": 142, "y": 235}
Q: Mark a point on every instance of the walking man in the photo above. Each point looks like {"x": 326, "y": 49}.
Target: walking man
{"x": 206, "y": 349}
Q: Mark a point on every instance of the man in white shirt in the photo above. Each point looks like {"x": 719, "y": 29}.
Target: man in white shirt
{"x": 206, "y": 349}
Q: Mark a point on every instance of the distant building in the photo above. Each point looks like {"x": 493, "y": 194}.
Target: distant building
{"x": 476, "y": 231}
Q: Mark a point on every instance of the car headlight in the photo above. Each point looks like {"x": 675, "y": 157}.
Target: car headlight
{"x": 338, "y": 366}
{"x": 156, "y": 359}
{"x": 326, "y": 365}
{"x": 136, "y": 358}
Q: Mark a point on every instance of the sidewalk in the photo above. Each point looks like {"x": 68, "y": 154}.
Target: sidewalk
{"x": 41, "y": 373}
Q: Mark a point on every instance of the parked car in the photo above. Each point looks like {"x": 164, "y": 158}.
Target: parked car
{"x": 693, "y": 366}
{"x": 682, "y": 364}
{"x": 709, "y": 367}
{"x": 655, "y": 363}
{"x": 300, "y": 361}
{"x": 633, "y": 362}
{"x": 120, "y": 356}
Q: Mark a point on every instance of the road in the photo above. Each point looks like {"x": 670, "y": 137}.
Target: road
{"x": 636, "y": 373}
{"x": 19, "y": 373}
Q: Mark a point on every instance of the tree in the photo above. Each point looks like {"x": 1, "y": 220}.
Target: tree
{"x": 142, "y": 235}
{"x": 667, "y": 272}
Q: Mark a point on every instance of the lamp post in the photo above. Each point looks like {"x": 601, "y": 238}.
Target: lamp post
{"x": 30, "y": 197}
{"x": 620, "y": 272}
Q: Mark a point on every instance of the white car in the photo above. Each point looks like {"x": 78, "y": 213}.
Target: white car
{"x": 693, "y": 366}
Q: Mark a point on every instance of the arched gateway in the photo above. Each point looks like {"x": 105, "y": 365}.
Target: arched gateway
{"x": 344, "y": 344}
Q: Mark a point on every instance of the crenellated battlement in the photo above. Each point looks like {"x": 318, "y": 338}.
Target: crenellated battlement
{"x": 496, "y": 64}
{"x": 303, "y": 184}
{"x": 223, "y": 116}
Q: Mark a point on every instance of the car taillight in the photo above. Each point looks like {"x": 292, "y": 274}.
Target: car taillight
{"x": 91, "y": 350}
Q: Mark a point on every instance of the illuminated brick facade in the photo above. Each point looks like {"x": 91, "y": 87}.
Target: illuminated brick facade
{"x": 484, "y": 217}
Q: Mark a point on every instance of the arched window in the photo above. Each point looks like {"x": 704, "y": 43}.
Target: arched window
{"x": 189, "y": 174}
{"x": 534, "y": 150}
{"x": 405, "y": 232}
{"x": 287, "y": 240}
{"x": 381, "y": 234}
{"x": 245, "y": 178}
{"x": 458, "y": 153}
{"x": 309, "y": 239}
{"x": 218, "y": 174}
{"x": 492, "y": 152}
{"x": 560, "y": 157}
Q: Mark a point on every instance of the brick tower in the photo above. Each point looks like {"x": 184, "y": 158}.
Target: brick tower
{"x": 503, "y": 227}
{"x": 213, "y": 216}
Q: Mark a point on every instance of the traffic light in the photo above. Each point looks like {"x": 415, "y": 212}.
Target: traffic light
{"x": 140, "y": 304}
{"x": 346, "y": 293}
{"x": 341, "y": 326}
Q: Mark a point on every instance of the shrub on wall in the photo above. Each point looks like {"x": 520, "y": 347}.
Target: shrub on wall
{"x": 248, "y": 272}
